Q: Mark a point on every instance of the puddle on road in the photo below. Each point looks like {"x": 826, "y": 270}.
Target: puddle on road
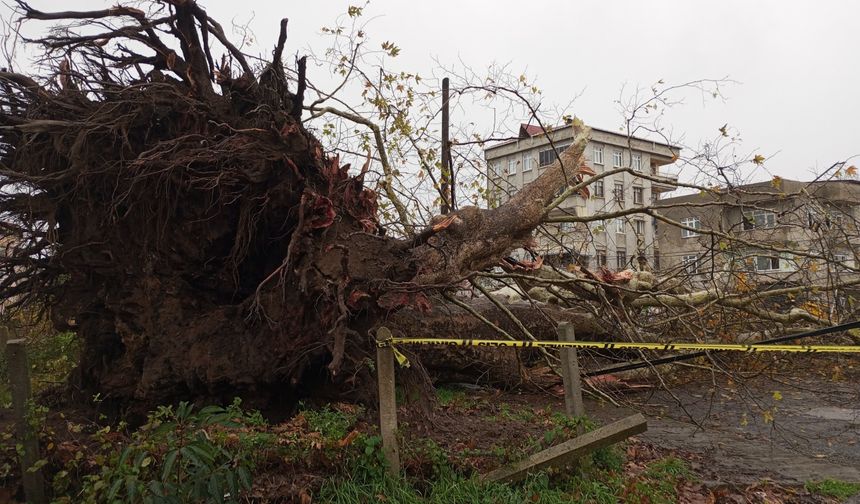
{"x": 833, "y": 413}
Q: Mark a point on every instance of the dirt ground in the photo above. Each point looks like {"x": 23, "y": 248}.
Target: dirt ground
{"x": 812, "y": 435}
{"x": 782, "y": 430}
{"x": 789, "y": 429}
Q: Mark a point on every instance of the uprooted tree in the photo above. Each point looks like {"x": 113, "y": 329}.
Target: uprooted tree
{"x": 166, "y": 202}
{"x": 172, "y": 209}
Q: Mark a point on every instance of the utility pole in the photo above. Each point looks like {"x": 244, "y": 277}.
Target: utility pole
{"x": 446, "y": 180}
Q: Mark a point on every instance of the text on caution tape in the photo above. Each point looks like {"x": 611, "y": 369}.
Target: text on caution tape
{"x": 617, "y": 345}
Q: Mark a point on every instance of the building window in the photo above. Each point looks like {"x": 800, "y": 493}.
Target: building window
{"x": 598, "y": 189}
{"x": 759, "y": 219}
{"x": 618, "y": 193}
{"x": 766, "y": 263}
{"x": 619, "y": 225}
{"x": 565, "y": 227}
{"x": 690, "y": 222}
{"x": 621, "y": 258}
{"x": 584, "y": 260}
{"x": 690, "y": 263}
{"x": 597, "y": 154}
{"x": 638, "y": 195}
{"x": 528, "y": 162}
{"x": 546, "y": 157}
{"x": 617, "y": 159}
{"x": 815, "y": 219}
{"x": 812, "y": 217}
{"x": 512, "y": 167}
{"x": 841, "y": 261}
{"x": 637, "y": 162}
{"x": 639, "y": 226}
{"x": 496, "y": 167}
{"x": 601, "y": 258}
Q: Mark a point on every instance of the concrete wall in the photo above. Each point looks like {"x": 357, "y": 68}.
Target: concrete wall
{"x": 830, "y": 231}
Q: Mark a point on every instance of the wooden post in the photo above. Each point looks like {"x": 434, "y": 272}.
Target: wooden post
{"x": 19, "y": 382}
{"x": 445, "y": 178}
{"x": 573, "y": 405}
{"x": 387, "y": 401}
{"x": 571, "y": 450}
{"x": 4, "y": 337}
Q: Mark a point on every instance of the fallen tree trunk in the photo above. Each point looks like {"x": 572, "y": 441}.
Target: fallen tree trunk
{"x": 507, "y": 367}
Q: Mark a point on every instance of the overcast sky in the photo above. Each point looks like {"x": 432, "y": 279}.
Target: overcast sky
{"x": 797, "y": 96}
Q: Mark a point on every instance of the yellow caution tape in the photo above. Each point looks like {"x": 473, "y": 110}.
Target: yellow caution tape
{"x": 401, "y": 359}
{"x": 617, "y": 345}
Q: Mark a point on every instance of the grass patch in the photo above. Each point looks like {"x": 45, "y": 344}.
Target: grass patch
{"x": 658, "y": 484}
{"x": 332, "y": 424}
{"x": 668, "y": 468}
{"x": 457, "y": 489}
{"x": 841, "y": 490}
{"x": 443, "y": 480}
{"x": 448, "y": 397}
{"x": 517, "y": 414}
{"x": 454, "y": 398}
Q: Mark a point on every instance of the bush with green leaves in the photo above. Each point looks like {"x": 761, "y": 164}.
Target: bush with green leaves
{"x": 181, "y": 456}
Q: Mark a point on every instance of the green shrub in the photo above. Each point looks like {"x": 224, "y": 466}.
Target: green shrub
{"x": 181, "y": 456}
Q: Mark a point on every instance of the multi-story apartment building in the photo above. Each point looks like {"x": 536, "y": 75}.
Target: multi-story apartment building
{"x": 613, "y": 243}
{"x": 772, "y": 232}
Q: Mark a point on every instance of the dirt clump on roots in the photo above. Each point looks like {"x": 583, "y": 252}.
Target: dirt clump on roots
{"x": 184, "y": 228}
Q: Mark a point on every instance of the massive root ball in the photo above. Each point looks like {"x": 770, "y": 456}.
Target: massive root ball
{"x": 187, "y": 231}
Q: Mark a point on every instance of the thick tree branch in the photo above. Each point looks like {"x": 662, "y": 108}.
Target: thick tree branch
{"x": 388, "y": 172}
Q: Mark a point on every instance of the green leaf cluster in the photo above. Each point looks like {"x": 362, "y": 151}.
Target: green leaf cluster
{"x": 181, "y": 455}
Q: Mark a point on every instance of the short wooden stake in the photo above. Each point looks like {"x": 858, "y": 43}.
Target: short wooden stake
{"x": 387, "y": 401}
{"x": 569, "y": 451}
{"x": 19, "y": 382}
{"x": 573, "y": 404}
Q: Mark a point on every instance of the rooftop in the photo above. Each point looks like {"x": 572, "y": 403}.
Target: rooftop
{"x": 785, "y": 186}
{"x": 531, "y": 131}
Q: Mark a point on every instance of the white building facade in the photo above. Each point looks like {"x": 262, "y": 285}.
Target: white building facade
{"x": 613, "y": 243}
